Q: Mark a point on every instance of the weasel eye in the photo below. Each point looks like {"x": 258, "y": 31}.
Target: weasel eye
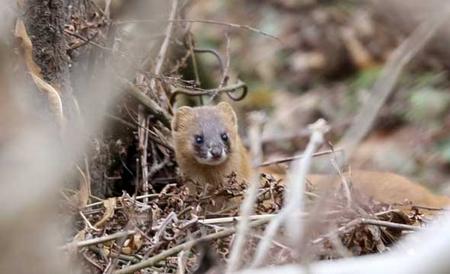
{"x": 224, "y": 137}
{"x": 199, "y": 139}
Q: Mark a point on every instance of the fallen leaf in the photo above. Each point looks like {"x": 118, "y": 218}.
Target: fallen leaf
{"x": 110, "y": 206}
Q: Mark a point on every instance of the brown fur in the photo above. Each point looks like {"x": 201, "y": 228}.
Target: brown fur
{"x": 386, "y": 187}
{"x": 185, "y": 125}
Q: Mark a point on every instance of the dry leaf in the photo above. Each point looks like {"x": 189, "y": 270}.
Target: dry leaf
{"x": 110, "y": 206}
{"x": 54, "y": 98}
{"x": 21, "y": 33}
{"x": 132, "y": 244}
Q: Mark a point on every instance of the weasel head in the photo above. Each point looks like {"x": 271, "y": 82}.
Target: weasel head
{"x": 206, "y": 134}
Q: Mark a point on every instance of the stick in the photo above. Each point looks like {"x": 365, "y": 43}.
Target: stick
{"x": 103, "y": 239}
{"x": 205, "y": 21}
{"x": 296, "y": 157}
{"x": 228, "y": 90}
{"x": 149, "y": 104}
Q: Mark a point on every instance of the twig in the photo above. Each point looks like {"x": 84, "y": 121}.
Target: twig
{"x": 155, "y": 165}
{"x": 428, "y": 208}
{"x": 92, "y": 261}
{"x": 87, "y": 222}
{"x": 115, "y": 257}
{"x": 151, "y": 106}
{"x": 103, "y": 239}
{"x": 165, "y": 45}
{"x": 174, "y": 250}
{"x": 120, "y": 255}
{"x": 194, "y": 60}
{"x": 214, "y": 53}
{"x": 86, "y": 40}
{"x": 296, "y": 157}
{"x": 225, "y": 69}
{"x": 204, "y": 21}
{"x": 135, "y": 125}
{"x": 137, "y": 198}
{"x": 88, "y": 174}
{"x": 344, "y": 181}
{"x": 224, "y": 220}
{"x": 107, "y": 11}
{"x": 181, "y": 263}
{"x": 390, "y": 224}
{"x": 224, "y": 80}
{"x": 256, "y": 121}
{"x": 143, "y": 146}
{"x": 385, "y": 83}
{"x": 172, "y": 217}
{"x": 228, "y": 90}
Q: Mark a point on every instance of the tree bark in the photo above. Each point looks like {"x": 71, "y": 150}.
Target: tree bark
{"x": 45, "y": 20}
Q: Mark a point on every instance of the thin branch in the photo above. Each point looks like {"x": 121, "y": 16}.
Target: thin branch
{"x": 151, "y": 106}
{"x": 205, "y": 21}
{"x": 137, "y": 198}
{"x": 135, "y": 125}
{"x": 296, "y": 157}
{"x": 194, "y": 60}
{"x": 165, "y": 45}
{"x": 225, "y": 220}
{"x": 99, "y": 240}
{"x": 228, "y": 90}
{"x": 347, "y": 192}
{"x": 214, "y": 53}
{"x": 120, "y": 255}
{"x": 225, "y": 76}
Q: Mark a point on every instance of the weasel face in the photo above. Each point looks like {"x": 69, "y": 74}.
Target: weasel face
{"x": 211, "y": 147}
{"x": 205, "y": 134}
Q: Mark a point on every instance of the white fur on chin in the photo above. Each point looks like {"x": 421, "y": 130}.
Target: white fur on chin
{"x": 210, "y": 161}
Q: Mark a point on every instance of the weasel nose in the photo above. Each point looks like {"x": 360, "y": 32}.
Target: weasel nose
{"x": 216, "y": 152}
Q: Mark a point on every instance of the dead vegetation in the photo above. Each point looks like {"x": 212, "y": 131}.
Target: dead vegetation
{"x": 113, "y": 64}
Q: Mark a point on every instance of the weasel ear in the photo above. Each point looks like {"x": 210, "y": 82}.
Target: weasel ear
{"x": 180, "y": 117}
{"x": 229, "y": 112}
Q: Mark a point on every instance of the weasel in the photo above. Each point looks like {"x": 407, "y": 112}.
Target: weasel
{"x": 208, "y": 148}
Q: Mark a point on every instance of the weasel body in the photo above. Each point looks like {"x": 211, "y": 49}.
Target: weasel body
{"x": 385, "y": 187}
